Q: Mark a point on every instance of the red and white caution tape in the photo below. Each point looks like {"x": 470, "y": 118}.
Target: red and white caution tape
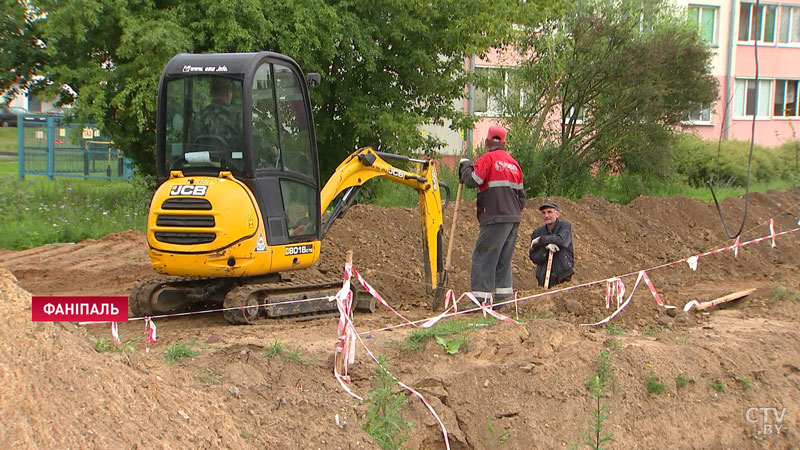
{"x": 614, "y": 288}
{"x": 736, "y": 248}
{"x": 653, "y": 291}
{"x": 115, "y": 333}
{"x": 772, "y": 231}
{"x": 620, "y": 307}
{"x": 375, "y": 294}
{"x": 345, "y": 345}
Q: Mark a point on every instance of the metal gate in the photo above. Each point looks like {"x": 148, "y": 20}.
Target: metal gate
{"x": 49, "y": 146}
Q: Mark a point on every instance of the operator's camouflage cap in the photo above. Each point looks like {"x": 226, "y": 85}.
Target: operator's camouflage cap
{"x": 553, "y": 205}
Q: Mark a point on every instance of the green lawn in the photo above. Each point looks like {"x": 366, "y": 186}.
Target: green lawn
{"x": 8, "y": 139}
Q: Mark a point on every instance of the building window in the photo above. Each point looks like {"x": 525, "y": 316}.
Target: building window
{"x": 744, "y": 98}
{"x": 785, "y": 98}
{"x": 489, "y": 102}
{"x": 704, "y": 19}
{"x": 500, "y": 97}
{"x": 789, "y": 30}
{"x": 702, "y": 115}
{"x": 757, "y": 23}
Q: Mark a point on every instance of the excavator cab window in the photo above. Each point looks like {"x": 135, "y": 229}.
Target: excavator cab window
{"x": 204, "y": 129}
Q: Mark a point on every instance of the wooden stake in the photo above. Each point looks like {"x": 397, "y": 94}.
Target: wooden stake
{"x": 339, "y": 358}
{"x": 724, "y": 299}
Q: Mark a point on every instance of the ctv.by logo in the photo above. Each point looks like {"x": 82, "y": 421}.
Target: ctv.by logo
{"x": 768, "y": 420}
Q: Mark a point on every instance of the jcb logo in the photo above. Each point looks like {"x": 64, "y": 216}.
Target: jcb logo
{"x": 188, "y": 189}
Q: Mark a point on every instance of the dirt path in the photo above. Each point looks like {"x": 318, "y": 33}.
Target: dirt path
{"x": 524, "y": 382}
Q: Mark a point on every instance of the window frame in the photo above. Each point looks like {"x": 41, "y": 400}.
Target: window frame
{"x": 741, "y": 95}
{"x": 794, "y": 16}
{"x": 761, "y": 21}
{"x": 715, "y": 27}
{"x": 785, "y": 82}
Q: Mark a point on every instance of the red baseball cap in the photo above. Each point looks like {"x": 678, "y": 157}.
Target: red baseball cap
{"x": 497, "y": 134}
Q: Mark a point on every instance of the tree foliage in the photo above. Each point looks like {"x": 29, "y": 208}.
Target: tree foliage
{"x": 387, "y": 65}
{"x": 605, "y": 84}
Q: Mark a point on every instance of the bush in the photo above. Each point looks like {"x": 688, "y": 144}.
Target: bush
{"x": 725, "y": 163}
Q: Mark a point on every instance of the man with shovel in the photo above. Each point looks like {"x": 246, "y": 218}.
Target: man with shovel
{"x": 551, "y": 248}
{"x": 501, "y": 197}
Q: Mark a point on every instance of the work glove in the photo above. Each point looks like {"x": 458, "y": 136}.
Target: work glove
{"x": 535, "y": 241}
{"x": 552, "y": 247}
{"x": 463, "y": 163}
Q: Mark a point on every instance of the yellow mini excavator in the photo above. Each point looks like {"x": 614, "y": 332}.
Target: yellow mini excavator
{"x": 240, "y": 200}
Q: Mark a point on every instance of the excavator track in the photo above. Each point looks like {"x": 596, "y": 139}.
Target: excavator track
{"x": 168, "y": 295}
{"x": 287, "y": 299}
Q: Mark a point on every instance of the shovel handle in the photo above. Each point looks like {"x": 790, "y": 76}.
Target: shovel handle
{"x": 549, "y": 268}
{"x": 453, "y": 228}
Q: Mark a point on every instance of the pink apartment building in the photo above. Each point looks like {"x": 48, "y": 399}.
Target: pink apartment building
{"x": 731, "y": 28}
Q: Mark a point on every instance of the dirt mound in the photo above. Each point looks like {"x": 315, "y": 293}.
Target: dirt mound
{"x": 270, "y": 385}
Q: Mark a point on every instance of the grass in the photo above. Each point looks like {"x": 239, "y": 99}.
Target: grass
{"x": 385, "y": 405}
{"x": 649, "y": 330}
{"x": 277, "y": 349}
{"x": 449, "y": 334}
{"x": 102, "y": 345}
{"x": 717, "y": 386}
{"x": 654, "y": 385}
{"x": 746, "y": 383}
{"x": 501, "y": 439}
{"x": 8, "y": 139}
{"x": 781, "y": 293}
{"x": 209, "y": 376}
{"x": 180, "y": 350}
{"x": 36, "y": 212}
{"x": 681, "y": 381}
{"x": 614, "y": 330}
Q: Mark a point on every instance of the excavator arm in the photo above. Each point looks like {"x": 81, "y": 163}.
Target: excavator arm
{"x": 365, "y": 164}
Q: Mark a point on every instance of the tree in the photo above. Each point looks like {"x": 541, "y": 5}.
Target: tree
{"x": 604, "y": 85}
{"x": 387, "y": 65}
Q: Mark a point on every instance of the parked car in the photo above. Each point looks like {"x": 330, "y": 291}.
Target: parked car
{"x": 9, "y": 116}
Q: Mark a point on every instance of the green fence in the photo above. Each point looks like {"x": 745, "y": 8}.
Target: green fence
{"x": 48, "y": 146}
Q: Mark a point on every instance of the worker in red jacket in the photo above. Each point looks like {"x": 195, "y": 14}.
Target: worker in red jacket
{"x": 501, "y": 197}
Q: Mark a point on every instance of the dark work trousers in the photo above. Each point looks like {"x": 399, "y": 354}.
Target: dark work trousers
{"x": 491, "y": 261}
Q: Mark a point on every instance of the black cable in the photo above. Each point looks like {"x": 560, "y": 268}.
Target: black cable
{"x": 752, "y": 138}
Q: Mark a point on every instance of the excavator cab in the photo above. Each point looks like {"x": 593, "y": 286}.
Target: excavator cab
{"x": 249, "y": 114}
{"x": 239, "y": 201}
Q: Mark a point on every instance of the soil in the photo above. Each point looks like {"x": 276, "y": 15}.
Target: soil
{"x": 519, "y": 386}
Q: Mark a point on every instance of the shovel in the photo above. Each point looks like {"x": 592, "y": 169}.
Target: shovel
{"x": 441, "y": 290}
{"x": 549, "y": 268}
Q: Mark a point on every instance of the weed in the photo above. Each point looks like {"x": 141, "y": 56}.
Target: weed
{"x": 295, "y": 356}
{"x": 654, "y": 385}
{"x": 502, "y": 439}
{"x": 208, "y": 375}
{"x": 649, "y": 330}
{"x": 781, "y": 293}
{"x": 614, "y": 330}
{"x": 746, "y": 383}
{"x": 451, "y": 344}
{"x": 448, "y": 331}
{"x": 598, "y": 387}
{"x": 532, "y": 315}
{"x": 682, "y": 381}
{"x": 103, "y": 345}
{"x": 277, "y": 349}
{"x": 717, "y": 385}
{"x": 180, "y": 350}
{"x": 612, "y": 344}
{"x": 384, "y": 420}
